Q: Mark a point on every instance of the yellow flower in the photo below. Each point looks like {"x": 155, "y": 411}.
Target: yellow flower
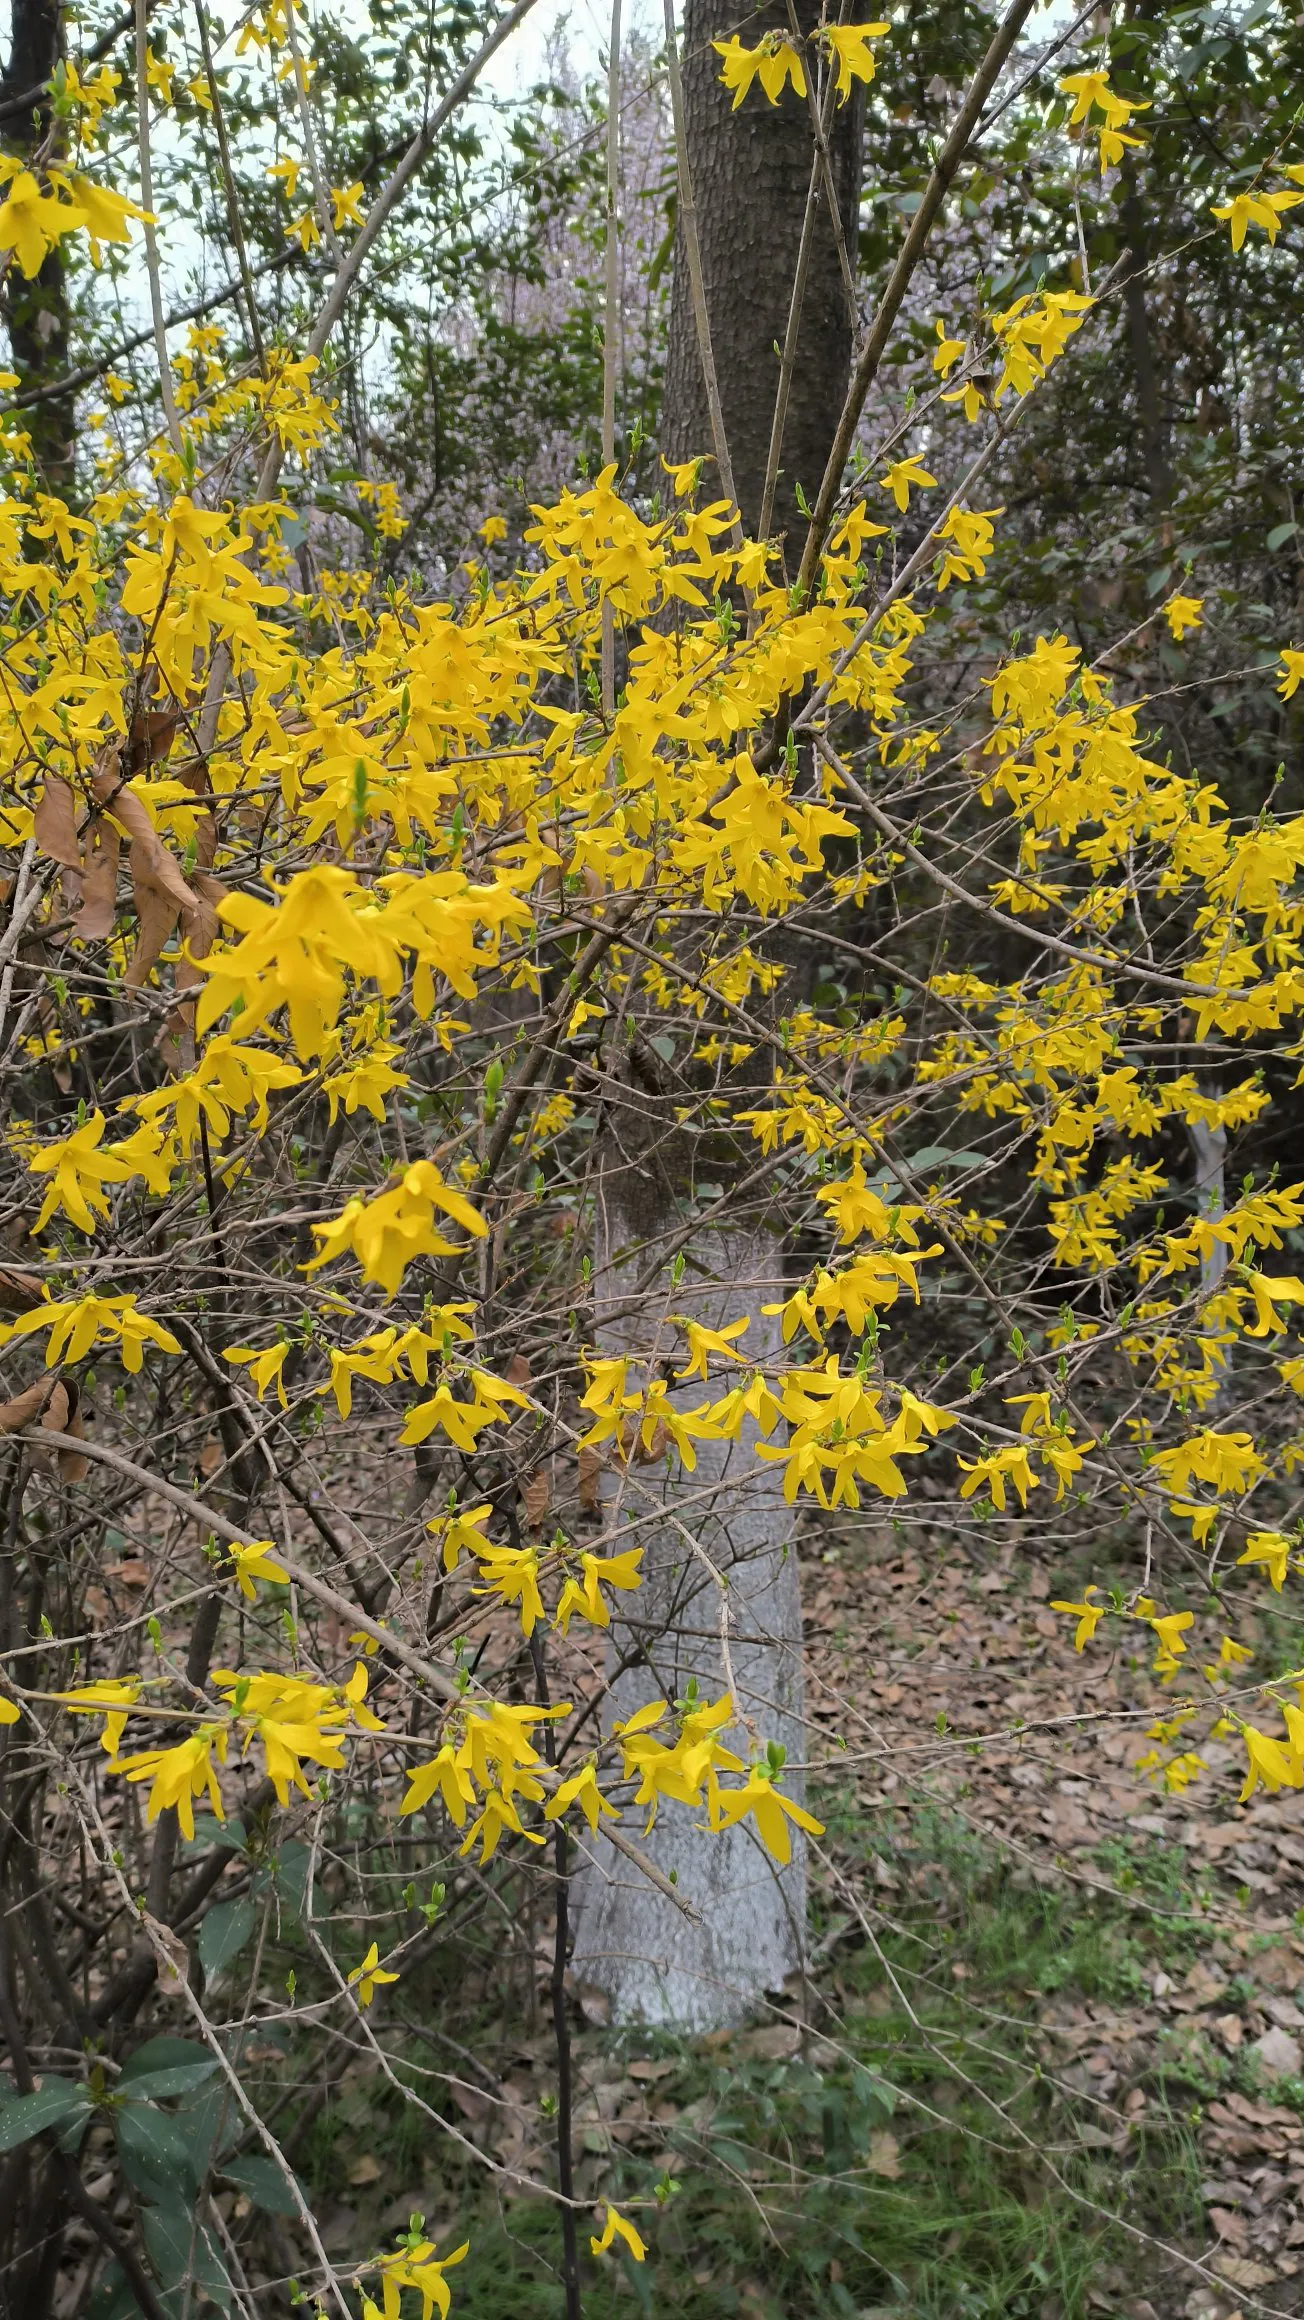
{"x": 1268, "y": 1762}
{"x": 993, "y": 1470}
{"x": 702, "y": 1341}
{"x": 581, "y": 1789}
{"x": 683, "y": 473}
{"x": 178, "y": 1775}
{"x": 948, "y": 351}
{"x": 1086, "y": 89}
{"x": 618, "y": 2226}
{"x": 414, "y": 2264}
{"x": 1255, "y": 209}
{"x": 1168, "y": 1627}
{"x": 849, "y": 44}
{"x": 461, "y": 1421}
{"x": 287, "y": 173}
{"x": 493, "y": 529}
{"x": 770, "y": 1810}
{"x": 9, "y": 1709}
{"x": 512, "y": 1573}
{"x": 159, "y": 74}
{"x": 445, "y": 1773}
{"x": 265, "y": 1366}
{"x": 1183, "y": 612}
{"x": 774, "y": 62}
{"x": 388, "y": 1233}
{"x": 346, "y": 200}
{"x": 901, "y": 475}
{"x": 500, "y": 1813}
{"x": 79, "y": 1171}
{"x": 1292, "y": 664}
{"x": 257, "y": 1561}
{"x": 31, "y": 222}
{"x": 112, "y": 1697}
{"x": 1272, "y": 1549}
{"x": 585, "y": 1593}
{"x": 77, "y": 1325}
{"x": 1087, "y": 1614}
{"x": 461, "y": 1530}
{"x": 368, "y": 1977}
{"x": 103, "y": 213}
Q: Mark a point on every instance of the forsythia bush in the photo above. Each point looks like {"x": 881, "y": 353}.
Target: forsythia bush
{"x": 335, "y": 913}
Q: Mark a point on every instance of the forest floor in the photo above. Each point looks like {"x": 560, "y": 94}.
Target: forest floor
{"x": 1143, "y": 1951}
{"x": 1049, "y": 2062}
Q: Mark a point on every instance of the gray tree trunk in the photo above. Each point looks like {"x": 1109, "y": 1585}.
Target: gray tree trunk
{"x": 654, "y": 1964}
{"x": 751, "y": 171}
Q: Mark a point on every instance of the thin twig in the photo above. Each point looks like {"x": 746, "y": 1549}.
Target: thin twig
{"x": 151, "y": 243}
{"x": 693, "y": 252}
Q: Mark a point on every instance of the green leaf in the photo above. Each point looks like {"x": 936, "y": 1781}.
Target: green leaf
{"x": 149, "y": 2085}
{"x": 55, "y": 2104}
{"x": 941, "y": 1156}
{"x": 224, "y": 1932}
{"x": 181, "y": 2251}
{"x": 155, "y": 2155}
{"x": 230, "y": 1835}
{"x": 113, "y": 2299}
{"x": 292, "y": 1864}
{"x": 264, "y": 2183}
{"x": 161, "y": 2054}
{"x": 210, "y": 2124}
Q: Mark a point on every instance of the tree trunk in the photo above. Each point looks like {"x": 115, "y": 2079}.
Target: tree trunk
{"x": 726, "y": 1518}
{"x": 726, "y": 1522}
{"x": 751, "y": 171}
{"x": 36, "y": 312}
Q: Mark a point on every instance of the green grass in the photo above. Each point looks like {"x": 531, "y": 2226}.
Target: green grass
{"x": 782, "y": 2208}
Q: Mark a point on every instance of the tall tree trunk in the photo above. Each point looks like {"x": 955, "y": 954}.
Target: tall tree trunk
{"x": 36, "y": 312}
{"x": 719, "y": 1608}
{"x": 720, "y": 1605}
{"x": 751, "y": 170}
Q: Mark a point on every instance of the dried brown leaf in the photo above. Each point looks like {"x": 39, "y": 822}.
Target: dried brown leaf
{"x": 54, "y": 824}
{"x": 24, "y": 1408}
{"x": 51, "y": 1403}
{"x": 884, "y": 2155}
{"x": 590, "y": 1472}
{"x": 94, "y": 921}
{"x": 19, "y": 1291}
{"x": 536, "y": 1498}
{"x": 177, "y": 1968}
{"x": 63, "y": 1416}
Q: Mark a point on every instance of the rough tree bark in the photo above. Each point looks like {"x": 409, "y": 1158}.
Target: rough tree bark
{"x": 36, "y": 312}
{"x": 719, "y": 1608}
{"x": 751, "y": 170}
{"x": 720, "y": 1605}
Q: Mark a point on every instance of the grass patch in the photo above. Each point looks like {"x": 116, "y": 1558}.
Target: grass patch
{"x": 896, "y": 2162}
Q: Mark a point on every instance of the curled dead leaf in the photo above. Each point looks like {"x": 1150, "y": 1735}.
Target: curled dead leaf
{"x": 54, "y": 823}
{"x": 536, "y": 1498}
{"x": 19, "y": 1291}
{"x": 94, "y": 921}
{"x": 151, "y": 736}
{"x": 177, "y": 1966}
{"x": 590, "y": 1471}
{"x": 53, "y": 1404}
